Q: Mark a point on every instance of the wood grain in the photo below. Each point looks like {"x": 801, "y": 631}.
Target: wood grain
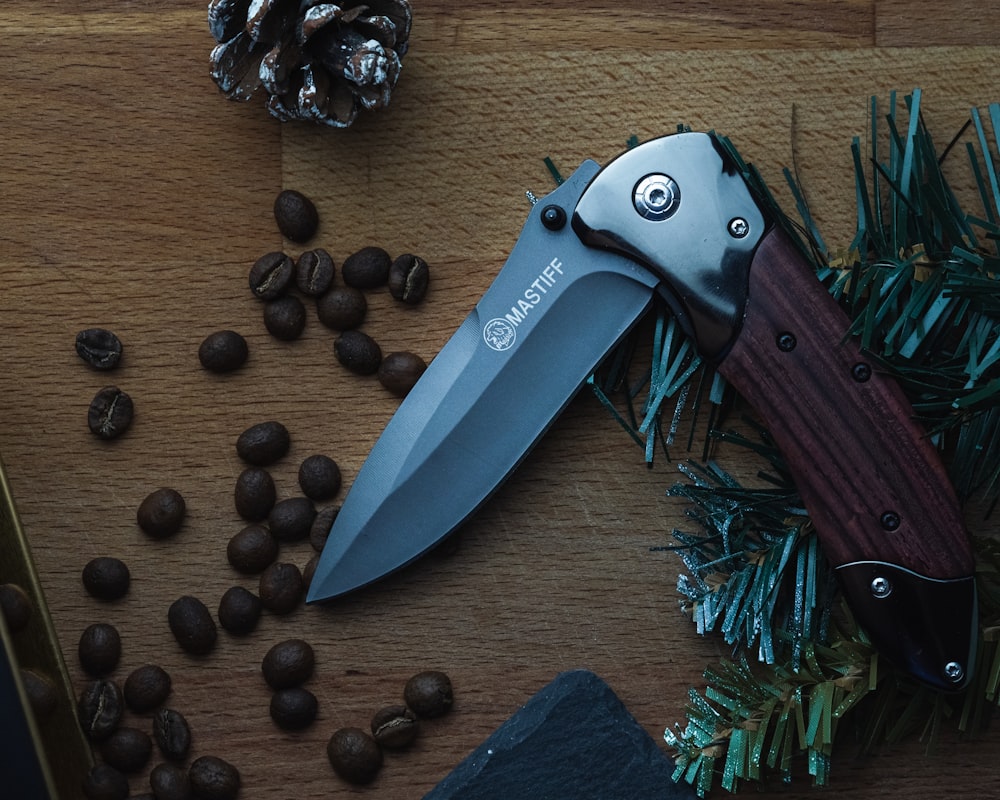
{"x": 135, "y": 197}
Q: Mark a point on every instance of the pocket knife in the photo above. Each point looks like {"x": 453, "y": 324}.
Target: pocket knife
{"x": 675, "y": 216}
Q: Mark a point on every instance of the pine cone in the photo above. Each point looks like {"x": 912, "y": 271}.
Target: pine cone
{"x": 316, "y": 61}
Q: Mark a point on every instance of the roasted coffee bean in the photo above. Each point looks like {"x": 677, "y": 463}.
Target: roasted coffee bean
{"x": 400, "y": 371}
{"x": 293, "y": 709}
{"x": 16, "y": 606}
{"x": 309, "y": 570}
{"x": 170, "y": 782}
{"x": 358, "y": 352}
{"x": 263, "y": 444}
{"x": 252, "y": 550}
{"x": 110, "y": 413}
{"x": 104, "y": 782}
{"x": 354, "y": 755}
{"x": 192, "y": 625}
{"x": 255, "y": 494}
{"x": 296, "y": 216}
{"x": 281, "y": 587}
{"x": 43, "y": 697}
{"x": 239, "y": 610}
{"x": 320, "y": 530}
{"x": 285, "y": 318}
{"x": 99, "y": 347}
{"x": 288, "y": 663}
{"x": 395, "y": 727}
{"x": 213, "y": 779}
{"x": 368, "y": 268}
{"x": 223, "y": 351}
{"x": 161, "y": 513}
{"x": 343, "y": 308}
{"x": 127, "y": 749}
{"x": 314, "y": 272}
{"x": 429, "y": 694}
{"x": 146, "y": 688}
{"x": 319, "y": 477}
{"x": 99, "y": 708}
{"x": 106, "y": 578}
{"x": 100, "y": 648}
{"x": 408, "y": 278}
{"x": 291, "y": 519}
{"x": 172, "y": 734}
{"x": 271, "y": 275}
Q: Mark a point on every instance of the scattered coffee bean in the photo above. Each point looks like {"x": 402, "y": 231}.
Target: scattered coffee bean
{"x": 291, "y": 519}
{"x": 263, "y": 444}
{"x": 395, "y": 727}
{"x": 161, "y": 513}
{"x": 429, "y": 694}
{"x": 314, "y": 272}
{"x": 400, "y": 371}
{"x": 104, "y": 782}
{"x": 408, "y": 278}
{"x": 192, "y": 625}
{"x": 281, "y": 587}
{"x": 309, "y": 570}
{"x": 285, "y": 318}
{"x": 110, "y": 413}
{"x": 100, "y": 649}
{"x": 293, "y": 709}
{"x": 288, "y": 663}
{"x": 343, "y": 308}
{"x": 43, "y": 697}
{"x": 319, "y": 477}
{"x": 99, "y": 347}
{"x": 354, "y": 755}
{"x": 223, "y": 351}
{"x": 271, "y": 275}
{"x": 252, "y": 550}
{"x": 170, "y": 782}
{"x": 368, "y": 268}
{"x": 146, "y": 688}
{"x": 99, "y": 708}
{"x": 213, "y": 779}
{"x": 358, "y": 352}
{"x": 16, "y": 606}
{"x": 239, "y": 610}
{"x": 127, "y": 749}
{"x": 296, "y": 216}
{"x": 106, "y": 578}
{"x": 172, "y": 734}
{"x": 255, "y": 494}
{"x": 320, "y": 530}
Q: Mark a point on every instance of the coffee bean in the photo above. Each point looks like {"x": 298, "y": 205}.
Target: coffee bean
{"x": 255, "y": 494}
{"x": 127, "y": 749}
{"x": 214, "y": 779}
{"x": 400, "y": 371}
{"x": 285, "y": 318}
{"x": 319, "y": 477}
{"x": 106, "y": 578}
{"x": 408, "y": 278}
{"x": 223, "y": 351}
{"x": 146, "y": 688}
{"x": 281, "y": 587}
{"x": 293, "y": 709}
{"x": 354, "y": 755}
{"x": 320, "y": 530}
{"x": 43, "y": 697}
{"x": 288, "y": 663}
{"x": 99, "y": 708}
{"x": 309, "y": 570}
{"x": 296, "y": 216}
{"x": 342, "y": 308}
{"x": 263, "y": 444}
{"x": 104, "y": 782}
{"x": 110, "y": 413}
{"x": 16, "y": 606}
{"x": 252, "y": 550}
{"x": 172, "y": 734}
{"x": 394, "y": 727}
{"x": 291, "y": 519}
{"x": 170, "y": 782}
{"x": 314, "y": 272}
{"x": 192, "y": 625}
{"x": 368, "y": 268}
{"x": 239, "y": 610}
{"x": 161, "y": 513}
{"x": 99, "y": 347}
{"x": 429, "y": 694}
{"x": 99, "y": 649}
{"x": 358, "y": 352}
{"x": 271, "y": 275}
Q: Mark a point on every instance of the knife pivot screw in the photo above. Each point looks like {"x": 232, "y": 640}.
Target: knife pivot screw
{"x": 738, "y": 227}
{"x": 861, "y": 372}
{"x": 881, "y": 587}
{"x": 890, "y": 521}
{"x": 786, "y": 341}
{"x": 953, "y": 671}
{"x": 656, "y": 197}
{"x": 553, "y": 217}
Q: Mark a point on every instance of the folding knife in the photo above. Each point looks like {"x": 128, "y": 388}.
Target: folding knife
{"x": 675, "y": 216}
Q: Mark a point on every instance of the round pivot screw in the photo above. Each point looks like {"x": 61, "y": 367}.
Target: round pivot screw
{"x": 881, "y": 587}
{"x": 786, "y": 341}
{"x": 890, "y": 520}
{"x": 553, "y": 217}
{"x": 953, "y": 671}
{"x": 656, "y": 197}
{"x": 738, "y": 227}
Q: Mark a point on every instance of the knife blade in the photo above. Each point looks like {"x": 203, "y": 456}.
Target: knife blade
{"x": 675, "y": 216}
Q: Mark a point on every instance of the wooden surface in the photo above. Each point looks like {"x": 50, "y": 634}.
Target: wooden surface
{"x": 135, "y": 197}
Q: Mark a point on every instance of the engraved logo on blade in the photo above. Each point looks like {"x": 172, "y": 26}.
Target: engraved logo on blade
{"x": 499, "y": 334}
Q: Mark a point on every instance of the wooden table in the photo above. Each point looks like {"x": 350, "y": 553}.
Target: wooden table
{"x": 135, "y": 197}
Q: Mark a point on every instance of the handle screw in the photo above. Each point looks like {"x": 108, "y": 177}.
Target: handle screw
{"x": 881, "y": 587}
{"x": 861, "y": 372}
{"x": 786, "y": 341}
{"x": 953, "y": 671}
{"x": 891, "y": 520}
{"x": 738, "y": 227}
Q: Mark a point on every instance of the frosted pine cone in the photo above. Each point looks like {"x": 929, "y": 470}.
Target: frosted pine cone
{"x": 316, "y": 61}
